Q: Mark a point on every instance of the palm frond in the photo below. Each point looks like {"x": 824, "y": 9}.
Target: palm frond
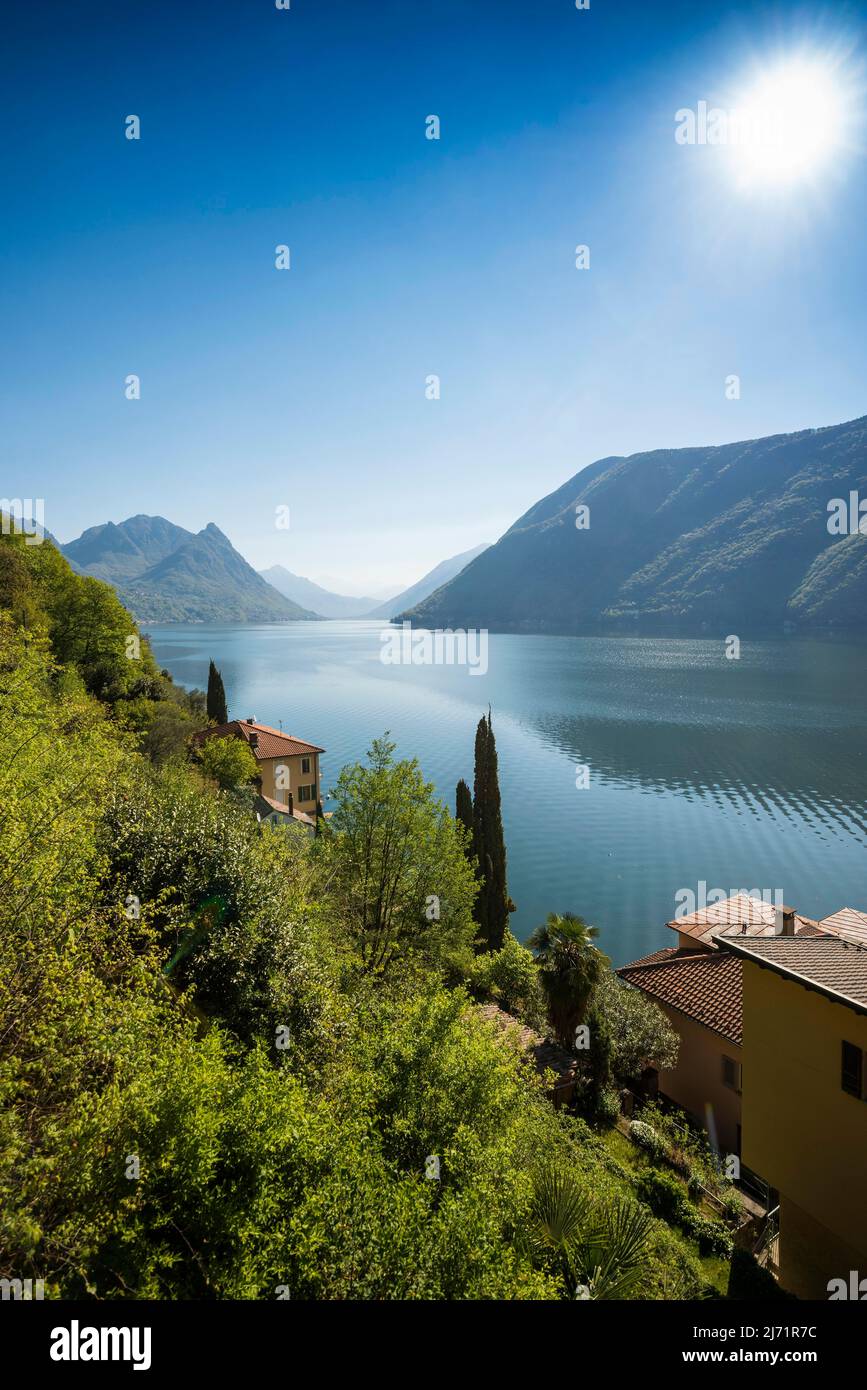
{"x": 559, "y": 1209}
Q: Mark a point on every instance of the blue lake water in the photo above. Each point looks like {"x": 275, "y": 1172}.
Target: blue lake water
{"x": 747, "y": 773}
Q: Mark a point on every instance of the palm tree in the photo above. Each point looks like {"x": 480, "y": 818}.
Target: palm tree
{"x": 569, "y": 968}
{"x": 600, "y": 1249}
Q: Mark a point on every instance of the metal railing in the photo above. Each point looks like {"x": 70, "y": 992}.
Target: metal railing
{"x": 765, "y": 1248}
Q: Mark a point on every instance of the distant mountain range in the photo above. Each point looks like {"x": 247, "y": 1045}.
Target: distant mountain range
{"x": 727, "y": 539}
{"x": 310, "y": 595}
{"x": 331, "y": 605}
{"x": 428, "y": 584}
{"x": 166, "y": 574}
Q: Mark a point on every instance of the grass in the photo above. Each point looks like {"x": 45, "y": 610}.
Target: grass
{"x": 636, "y": 1160}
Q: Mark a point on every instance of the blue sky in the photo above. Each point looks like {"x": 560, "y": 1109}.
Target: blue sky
{"x": 263, "y": 388}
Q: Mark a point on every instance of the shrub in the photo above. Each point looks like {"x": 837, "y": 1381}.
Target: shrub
{"x": 712, "y": 1236}
{"x": 639, "y": 1031}
{"x": 665, "y": 1196}
{"x": 733, "y": 1206}
{"x": 228, "y": 761}
{"x": 510, "y": 977}
{"x": 747, "y": 1279}
{"x": 607, "y": 1105}
{"x": 694, "y": 1184}
{"x": 647, "y": 1138}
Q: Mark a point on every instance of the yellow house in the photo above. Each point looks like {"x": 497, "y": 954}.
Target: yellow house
{"x": 700, "y": 994}
{"x": 698, "y": 988}
{"x": 289, "y": 778}
{"x": 804, "y": 1117}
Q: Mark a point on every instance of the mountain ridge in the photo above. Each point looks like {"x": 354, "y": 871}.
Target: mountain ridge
{"x": 164, "y": 573}
{"x": 678, "y": 540}
{"x": 324, "y": 601}
{"x": 441, "y": 574}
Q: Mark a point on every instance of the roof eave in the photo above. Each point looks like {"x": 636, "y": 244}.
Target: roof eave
{"x": 835, "y": 996}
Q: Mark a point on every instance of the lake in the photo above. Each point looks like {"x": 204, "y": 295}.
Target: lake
{"x": 748, "y": 773}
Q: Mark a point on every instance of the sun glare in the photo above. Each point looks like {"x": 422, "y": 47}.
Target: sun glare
{"x": 789, "y": 122}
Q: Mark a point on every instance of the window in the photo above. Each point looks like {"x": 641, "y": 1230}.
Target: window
{"x": 731, "y": 1073}
{"x": 852, "y": 1070}
{"x": 307, "y": 793}
{"x": 305, "y": 766}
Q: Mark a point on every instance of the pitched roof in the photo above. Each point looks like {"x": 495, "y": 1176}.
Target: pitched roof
{"x": 740, "y": 914}
{"x": 547, "y": 1056}
{"x": 655, "y": 957}
{"x": 704, "y": 985}
{"x": 270, "y": 743}
{"x": 832, "y": 966}
{"x": 265, "y": 805}
{"x": 848, "y": 923}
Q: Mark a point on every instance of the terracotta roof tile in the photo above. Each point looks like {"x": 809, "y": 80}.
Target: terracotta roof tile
{"x": 740, "y": 914}
{"x": 271, "y": 743}
{"x": 266, "y": 804}
{"x": 848, "y": 923}
{"x": 704, "y": 985}
{"x": 546, "y": 1054}
{"x": 655, "y": 957}
{"x": 834, "y": 966}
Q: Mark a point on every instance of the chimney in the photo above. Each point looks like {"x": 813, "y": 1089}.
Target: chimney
{"x": 251, "y": 719}
{"x": 290, "y": 804}
{"x": 784, "y": 924}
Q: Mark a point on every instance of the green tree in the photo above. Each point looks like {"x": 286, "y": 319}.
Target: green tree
{"x": 464, "y": 808}
{"x": 85, "y": 620}
{"x": 570, "y": 967}
{"x": 510, "y": 977}
{"x": 228, "y": 761}
{"x": 599, "y": 1057}
{"x": 641, "y": 1035}
{"x": 401, "y": 880}
{"x": 229, "y": 902}
{"x": 216, "y": 701}
{"x": 493, "y": 904}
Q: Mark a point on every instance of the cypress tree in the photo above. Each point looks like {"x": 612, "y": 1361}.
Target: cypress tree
{"x": 464, "y": 806}
{"x": 493, "y": 904}
{"x": 216, "y": 702}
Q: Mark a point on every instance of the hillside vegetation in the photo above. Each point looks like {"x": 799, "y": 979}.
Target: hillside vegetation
{"x": 225, "y": 1070}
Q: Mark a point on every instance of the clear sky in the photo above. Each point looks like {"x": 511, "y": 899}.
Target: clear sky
{"x": 306, "y": 388}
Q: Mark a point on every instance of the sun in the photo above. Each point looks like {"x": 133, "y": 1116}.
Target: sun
{"x": 789, "y": 123}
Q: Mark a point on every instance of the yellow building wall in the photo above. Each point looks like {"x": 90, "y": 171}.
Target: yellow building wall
{"x": 696, "y": 1082}
{"x": 268, "y": 771}
{"x": 801, "y": 1130}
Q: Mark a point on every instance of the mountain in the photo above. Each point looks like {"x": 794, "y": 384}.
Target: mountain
{"x": 125, "y": 551}
{"x": 166, "y": 574}
{"x": 446, "y": 570}
{"x": 730, "y": 539}
{"x": 311, "y": 595}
